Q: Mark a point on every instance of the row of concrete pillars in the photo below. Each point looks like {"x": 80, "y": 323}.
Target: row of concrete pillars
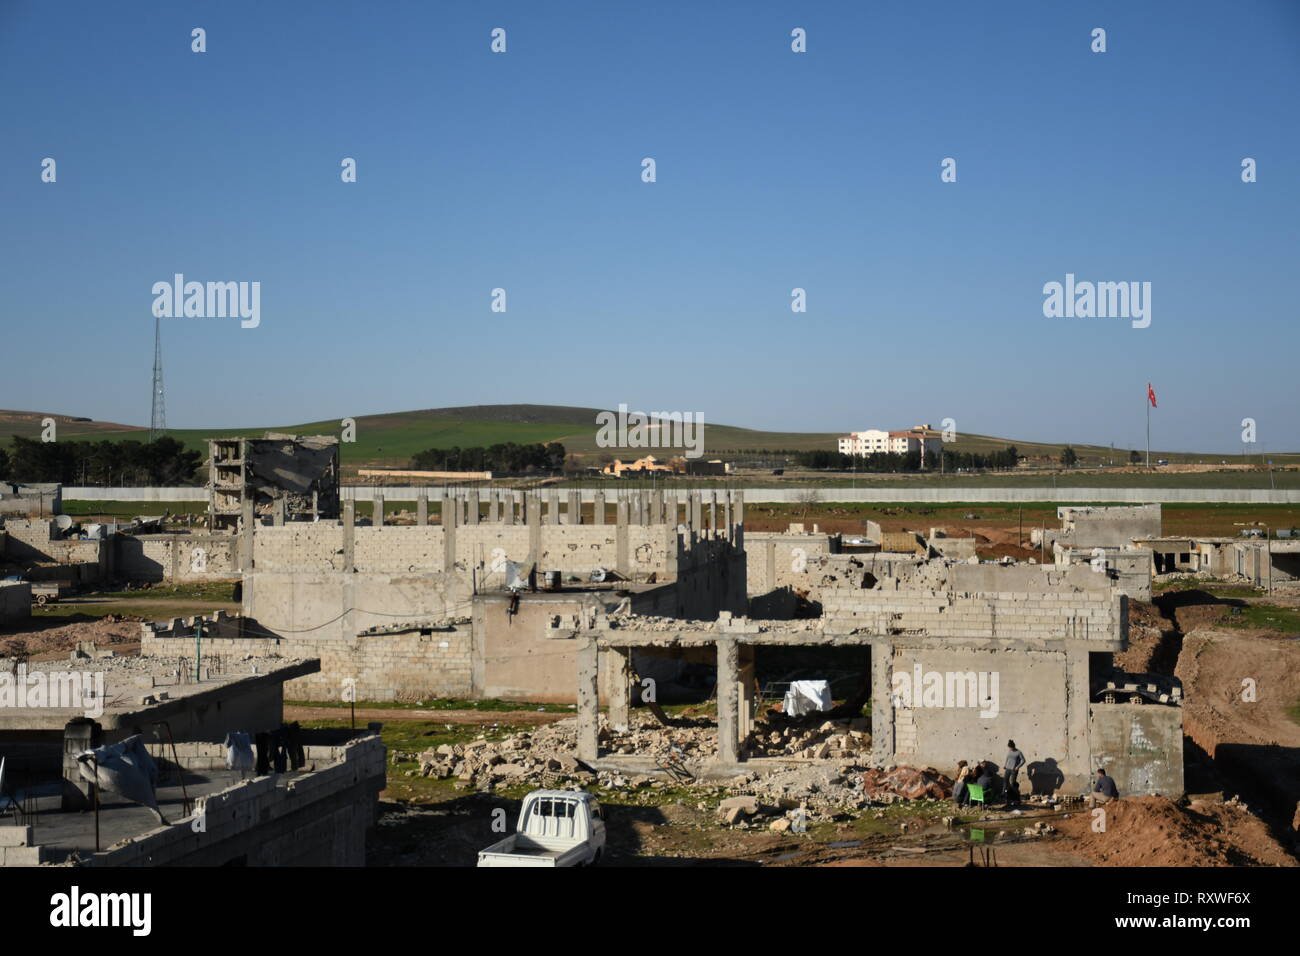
{"x": 737, "y": 694}
{"x": 696, "y": 510}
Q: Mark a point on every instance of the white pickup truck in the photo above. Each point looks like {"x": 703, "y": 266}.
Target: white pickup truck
{"x": 556, "y": 828}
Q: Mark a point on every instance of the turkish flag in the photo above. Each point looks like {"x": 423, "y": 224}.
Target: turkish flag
{"x": 1151, "y": 395}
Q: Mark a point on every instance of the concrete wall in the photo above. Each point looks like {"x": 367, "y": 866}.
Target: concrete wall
{"x": 32, "y": 500}
{"x": 777, "y": 560}
{"x": 1098, "y": 618}
{"x": 319, "y": 819}
{"x": 412, "y": 665}
{"x": 922, "y": 494}
{"x": 1038, "y": 705}
{"x": 175, "y": 557}
{"x": 1140, "y": 745}
{"x": 320, "y": 587}
{"x": 15, "y": 600}
{"x": 32, "y": 541}
{"x": 1113, "y": 527}
{"x": 152, "y": 557}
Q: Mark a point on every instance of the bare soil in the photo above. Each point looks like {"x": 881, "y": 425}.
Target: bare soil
{"x": 1154, "y": 831}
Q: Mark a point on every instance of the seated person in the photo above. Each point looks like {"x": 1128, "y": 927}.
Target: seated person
{"x": 1103, "y": 789}
{"x": 959, "y": 794}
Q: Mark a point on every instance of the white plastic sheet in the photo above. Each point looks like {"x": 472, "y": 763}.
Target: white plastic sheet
{"x": 808, "y": 696}
{"x": 239, "y": 751}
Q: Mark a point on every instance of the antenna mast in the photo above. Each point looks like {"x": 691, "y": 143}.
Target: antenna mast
{"x": 158, "y": 420}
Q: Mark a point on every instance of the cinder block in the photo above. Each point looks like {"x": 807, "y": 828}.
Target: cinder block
{"x": 15, "y": 836}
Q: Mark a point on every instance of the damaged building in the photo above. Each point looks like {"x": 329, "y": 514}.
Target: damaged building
{"x": 283, "y": 477}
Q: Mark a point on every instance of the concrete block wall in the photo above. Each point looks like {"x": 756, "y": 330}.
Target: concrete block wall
{"x": 300, "y": 546}
{"x": 1141, "y": 747}
{"x": 1082, "y": 616}
{"x": 31, "y": 533}
{"x": 175, "y": 557}
{"x": 162, "y": 557}
{"x": 781, "y": 560}
{"x": 396, "y": 548}
{"x": 1028, "y": 701}
{"x": 1113, "y": 527}
{"x": 318, "y": 819}
{"x": 333, "y": 605}
{"x": 410, "y": 665}
{"x": 218, "y": 625}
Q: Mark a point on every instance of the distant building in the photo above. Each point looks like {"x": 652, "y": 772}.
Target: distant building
{"x": 920, "y": 438}
{"x": 675, "y": 466}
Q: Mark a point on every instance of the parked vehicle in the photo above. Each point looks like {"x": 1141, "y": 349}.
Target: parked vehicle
{"x": 555, "y": 828}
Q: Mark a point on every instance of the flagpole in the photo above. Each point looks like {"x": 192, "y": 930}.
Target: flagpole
{"x": 1148, "y": 405}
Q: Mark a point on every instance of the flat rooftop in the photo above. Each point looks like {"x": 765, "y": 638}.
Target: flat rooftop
{"x": 130, "y": 690}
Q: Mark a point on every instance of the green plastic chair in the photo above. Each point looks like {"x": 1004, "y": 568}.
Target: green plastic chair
{"x": 976, "y": 794}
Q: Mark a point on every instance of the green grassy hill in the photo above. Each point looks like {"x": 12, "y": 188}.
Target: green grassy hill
{"x": 391, "y": 439}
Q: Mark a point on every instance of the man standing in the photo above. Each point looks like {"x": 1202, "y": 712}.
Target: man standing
{"x": 1015, "y": 760}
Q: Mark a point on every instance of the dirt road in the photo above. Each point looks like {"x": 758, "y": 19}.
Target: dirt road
{"x": 383, "y": 714}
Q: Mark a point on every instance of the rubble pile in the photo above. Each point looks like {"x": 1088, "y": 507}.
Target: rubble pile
{"x": 831, "y": 740}
{"x": 693, "y": 740}
{"x": 543, "y": 755}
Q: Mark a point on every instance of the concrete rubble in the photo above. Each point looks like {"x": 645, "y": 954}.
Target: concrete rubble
{"x": 841, "y": 779}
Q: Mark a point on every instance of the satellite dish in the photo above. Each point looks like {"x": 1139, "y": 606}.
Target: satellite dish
{"x": 63, "y": 522}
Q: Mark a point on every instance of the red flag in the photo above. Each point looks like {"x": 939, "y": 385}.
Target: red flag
{"x": 1151, "y": 395}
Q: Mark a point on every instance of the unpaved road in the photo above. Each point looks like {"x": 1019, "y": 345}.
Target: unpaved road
{"x": 381, "y": 714}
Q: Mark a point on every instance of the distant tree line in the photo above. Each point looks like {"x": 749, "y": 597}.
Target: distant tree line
{"x": 164, "y": 461}
{"x": 895, "y": 462}
{"x": 992, "y": 461}
{"x": 502, "y": 459}
{"x": 879, "y": 461}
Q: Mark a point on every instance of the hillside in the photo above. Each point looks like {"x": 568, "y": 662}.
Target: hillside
{"x": 391, "y": 439}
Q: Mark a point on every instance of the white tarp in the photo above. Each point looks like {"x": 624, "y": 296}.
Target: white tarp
{"x": 807, "y": 696}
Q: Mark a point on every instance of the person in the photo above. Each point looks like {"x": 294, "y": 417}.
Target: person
{"x": 1015, "y": 760}
{"x": 987, "y": 777}
{"x": 959, "y": 796}
{"x": 1103, "y": 789}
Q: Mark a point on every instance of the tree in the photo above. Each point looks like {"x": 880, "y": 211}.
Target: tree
{"x": 4, "y": 463}
{"x": 807, "y": 497}
{"x": 1068, "y": 457}
{"x": 1134, "y": 457}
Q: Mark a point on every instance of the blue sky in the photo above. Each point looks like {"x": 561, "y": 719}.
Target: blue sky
{"x": 775, "y": 170}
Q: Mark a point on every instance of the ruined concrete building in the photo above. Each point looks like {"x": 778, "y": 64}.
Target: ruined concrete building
{"x": 283, "y": 477}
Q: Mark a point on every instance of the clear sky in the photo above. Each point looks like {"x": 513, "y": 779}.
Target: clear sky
{"x": 775, "y": 170}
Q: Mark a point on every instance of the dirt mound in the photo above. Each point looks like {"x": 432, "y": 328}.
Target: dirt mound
{"x": 1152, "y": 641}
{"x": 58, "y": 641}
{"x": 1154, "y": 831}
